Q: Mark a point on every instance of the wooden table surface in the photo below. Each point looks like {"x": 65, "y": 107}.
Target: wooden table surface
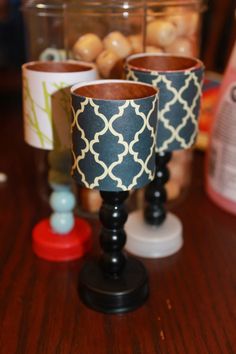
{"x": 192, "y": 303}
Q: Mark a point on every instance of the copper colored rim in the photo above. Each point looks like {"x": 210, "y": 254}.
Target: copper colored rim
{"x": 163, "y": 63}
{"x": 114, "y": 90}
{"x": 57, "y": 67}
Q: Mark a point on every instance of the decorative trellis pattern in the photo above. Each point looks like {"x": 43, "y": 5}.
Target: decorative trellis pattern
{"x": 114, "y": 142}
{"x": 179, "y": 105}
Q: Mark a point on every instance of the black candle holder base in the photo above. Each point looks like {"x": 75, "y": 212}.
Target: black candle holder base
{"x": 114, "y": 295}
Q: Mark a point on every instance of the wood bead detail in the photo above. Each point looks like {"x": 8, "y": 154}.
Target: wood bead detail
{"x": 155, "y": 194}
{"x": 113, "y": 216}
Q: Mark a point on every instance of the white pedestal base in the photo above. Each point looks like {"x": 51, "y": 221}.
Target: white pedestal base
{"x": 153, "y": 241}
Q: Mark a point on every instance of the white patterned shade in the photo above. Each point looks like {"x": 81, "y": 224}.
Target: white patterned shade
{"x": 46, "y": 101}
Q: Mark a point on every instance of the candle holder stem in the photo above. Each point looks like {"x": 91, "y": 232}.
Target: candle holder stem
{"x": 155, "y": 194}
{"x": 62, "y": 236}
{"x": 153, "y": 232}
{"x": 113, "y": 216}
{"x": 114, "y": 284}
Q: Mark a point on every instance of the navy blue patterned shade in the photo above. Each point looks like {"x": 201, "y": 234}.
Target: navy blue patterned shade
{"x": 179, "y": 80}
{"x": 113, "y": 140}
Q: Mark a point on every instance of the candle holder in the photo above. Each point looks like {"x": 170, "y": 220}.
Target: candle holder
{"x": 154, "y": 232}
{"x": 46, "y": 108}
{"x": 113, "y": 134}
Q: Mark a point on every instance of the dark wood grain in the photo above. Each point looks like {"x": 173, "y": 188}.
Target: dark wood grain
{"x": 192, "y": 303}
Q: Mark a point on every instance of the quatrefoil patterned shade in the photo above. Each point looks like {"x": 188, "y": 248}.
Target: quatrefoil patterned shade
{"x": 113, "y": 142}
{"x": 179, "y": 104}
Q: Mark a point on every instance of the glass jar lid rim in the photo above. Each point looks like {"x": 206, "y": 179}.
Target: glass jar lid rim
{"x": 106, "y": 4}
{"x": 128, "y": 4}
{"x": 44, "y": 4}
{"x": 176, "y": 2}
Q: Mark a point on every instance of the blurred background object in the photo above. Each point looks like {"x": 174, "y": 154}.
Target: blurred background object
{"x": 218, "y": 33}
{"x": 44, "y": 29}
{"x": 12, "y": 47}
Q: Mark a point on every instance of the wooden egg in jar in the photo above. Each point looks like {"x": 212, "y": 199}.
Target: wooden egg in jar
{"x": 175, "y": 27}
{"x": 103, "y": 33}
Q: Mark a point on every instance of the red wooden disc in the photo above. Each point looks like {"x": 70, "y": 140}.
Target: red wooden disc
{"x": 57, "y": 247}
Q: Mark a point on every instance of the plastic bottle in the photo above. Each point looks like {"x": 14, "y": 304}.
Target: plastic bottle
{"x": 221, "y": 156}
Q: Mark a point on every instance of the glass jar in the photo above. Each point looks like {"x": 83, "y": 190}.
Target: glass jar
{"x": 44, "y": 29}
{"x": 174, "y": 26}
{"x": 105, "y": 32}
{"x": 44, "y": 36}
